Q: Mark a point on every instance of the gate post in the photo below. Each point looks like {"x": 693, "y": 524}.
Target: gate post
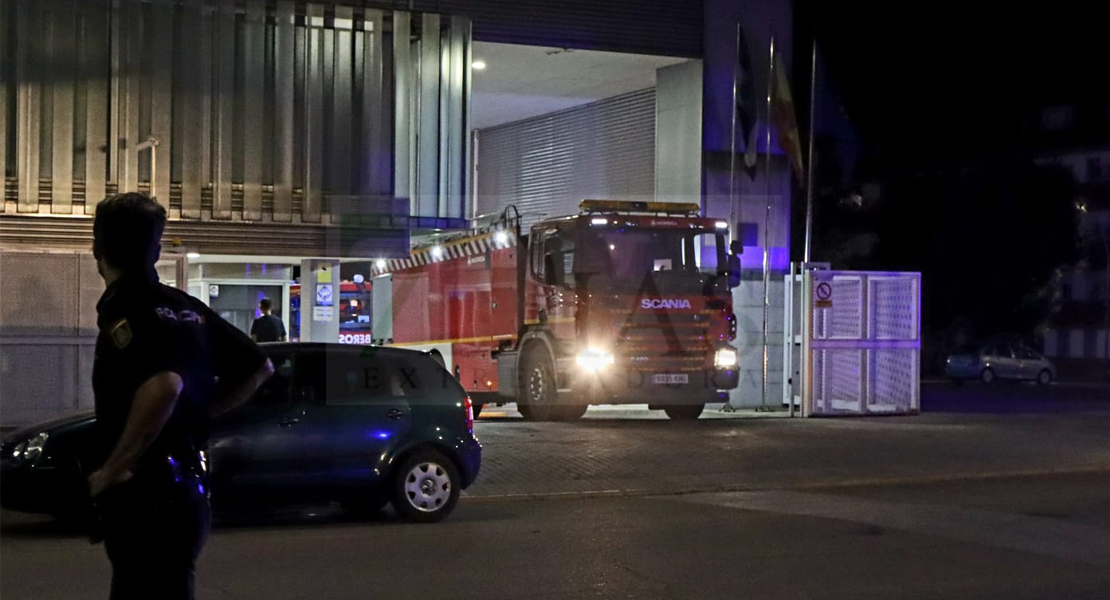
{"x": 806, "y": 333}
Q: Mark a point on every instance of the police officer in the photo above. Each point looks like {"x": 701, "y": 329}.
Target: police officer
{"x": 159, "y": 357}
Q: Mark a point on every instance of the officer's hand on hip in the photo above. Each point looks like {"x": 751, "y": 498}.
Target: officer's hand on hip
{"x": 102, "y": 479}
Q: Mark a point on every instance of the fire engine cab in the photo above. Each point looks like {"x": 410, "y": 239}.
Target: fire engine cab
{"x": 625, "y": 302}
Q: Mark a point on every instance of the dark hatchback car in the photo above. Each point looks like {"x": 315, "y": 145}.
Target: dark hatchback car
{"x": 362, "y": 425}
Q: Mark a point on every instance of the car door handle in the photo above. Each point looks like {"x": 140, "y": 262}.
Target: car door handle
{"x": 288, "y": 421}
{"x": 395, "y": 415}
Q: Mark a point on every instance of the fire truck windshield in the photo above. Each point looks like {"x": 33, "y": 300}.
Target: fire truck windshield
{"x": 627, "y": 255}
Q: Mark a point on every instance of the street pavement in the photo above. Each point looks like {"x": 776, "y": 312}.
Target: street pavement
{"x": 964, "y": 432}
{"x": 963, "y": 501}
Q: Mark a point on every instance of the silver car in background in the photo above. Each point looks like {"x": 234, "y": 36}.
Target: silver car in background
{"x": 1001, "y": 360}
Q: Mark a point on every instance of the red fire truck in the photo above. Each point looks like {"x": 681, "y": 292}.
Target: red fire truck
{"x": 609, "y": 306}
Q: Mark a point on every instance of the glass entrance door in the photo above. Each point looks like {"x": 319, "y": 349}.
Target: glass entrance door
{"x": 237, "y": 303}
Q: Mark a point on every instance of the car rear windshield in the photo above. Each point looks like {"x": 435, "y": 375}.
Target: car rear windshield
{"x": 343, "y": 377}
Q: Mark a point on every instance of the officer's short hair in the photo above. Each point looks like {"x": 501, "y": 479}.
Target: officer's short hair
{"x": 265, "y": 304}
{"x": 127, "y": 231}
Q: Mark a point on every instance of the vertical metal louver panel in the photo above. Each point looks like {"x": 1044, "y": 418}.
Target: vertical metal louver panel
{"x": 662, "y": 27}
{"x": 262, "y": 110}
{"x": 545, "y": 165}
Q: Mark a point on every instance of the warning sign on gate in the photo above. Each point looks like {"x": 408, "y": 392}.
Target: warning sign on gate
{"x": 822, "y": 295}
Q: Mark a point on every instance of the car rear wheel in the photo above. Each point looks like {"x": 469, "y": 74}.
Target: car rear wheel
{"x": 426, "y": 487}
{"x": 1044, "y": 377}
{"x": 684, "y": 412}
{"x": 988, "y": 376}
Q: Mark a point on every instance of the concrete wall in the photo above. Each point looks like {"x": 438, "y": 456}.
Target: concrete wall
{"x": 47, "y": 334}
{"x": 743, "y": 199}
{"x": 678, "y": 157}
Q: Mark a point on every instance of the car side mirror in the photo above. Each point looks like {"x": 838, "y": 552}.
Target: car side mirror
{"x": 733, "y": 271}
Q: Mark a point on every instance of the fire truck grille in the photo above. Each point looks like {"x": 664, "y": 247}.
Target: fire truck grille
{"x": 675, "y": 343}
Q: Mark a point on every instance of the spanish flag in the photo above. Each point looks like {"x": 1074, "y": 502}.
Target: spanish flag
{"x": 782, "y": 117}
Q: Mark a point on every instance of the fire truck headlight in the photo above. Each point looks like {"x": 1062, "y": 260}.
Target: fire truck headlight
{"x": 594, "y": 360}
{"x": 725, "y": 358}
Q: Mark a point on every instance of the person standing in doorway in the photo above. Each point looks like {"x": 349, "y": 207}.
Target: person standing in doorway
{"x": 267, "y": 328}
{"x": 165, "y": 363}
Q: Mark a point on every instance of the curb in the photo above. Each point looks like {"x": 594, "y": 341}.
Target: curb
{"x": 816, "y": 486}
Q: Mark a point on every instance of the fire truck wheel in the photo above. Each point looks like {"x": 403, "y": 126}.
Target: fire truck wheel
{"x": 684, "y": 412}
{"x": 572, "y": 412}
{"x": 537, "y": 385}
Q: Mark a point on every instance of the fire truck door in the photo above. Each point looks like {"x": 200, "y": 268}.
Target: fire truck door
{"x": 558, "y": 291}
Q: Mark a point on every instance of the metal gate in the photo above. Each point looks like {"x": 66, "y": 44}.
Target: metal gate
{"x": 853, "y": 342}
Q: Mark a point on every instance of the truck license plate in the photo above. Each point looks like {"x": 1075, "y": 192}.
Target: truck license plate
{"x": 670, "y": 378}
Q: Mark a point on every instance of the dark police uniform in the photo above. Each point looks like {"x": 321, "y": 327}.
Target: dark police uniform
{"x": 155, "y": 524}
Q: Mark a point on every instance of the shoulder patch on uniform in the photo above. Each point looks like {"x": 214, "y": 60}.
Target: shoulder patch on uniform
{"x": 120, "y": 332}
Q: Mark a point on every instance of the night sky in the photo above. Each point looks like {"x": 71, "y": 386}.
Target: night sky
{"x": 924, "y": 77}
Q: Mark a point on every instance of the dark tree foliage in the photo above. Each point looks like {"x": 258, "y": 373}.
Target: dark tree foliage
{"x": 988, "y": 241}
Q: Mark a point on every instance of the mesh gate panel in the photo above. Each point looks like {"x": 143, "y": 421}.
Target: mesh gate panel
{"x": 865, "y": 343}
{"x": 892, "y": 384}
{"x": 892, "y": 308}
{"x": 838, "y": 385}
{"x": 845, "y": 319}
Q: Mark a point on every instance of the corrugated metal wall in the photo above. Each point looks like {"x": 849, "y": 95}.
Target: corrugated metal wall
{"x": 546, "y": 165}
{"x": 264, "y": 111}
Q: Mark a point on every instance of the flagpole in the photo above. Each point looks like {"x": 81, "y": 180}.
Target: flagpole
{"x": 809, "y": 169}
{"x": 767, "y": 222}
{"x": 732, "y": 145}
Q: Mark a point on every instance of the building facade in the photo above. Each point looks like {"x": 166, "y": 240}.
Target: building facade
{"x": 290, "y": 139}
{"x": 1079, "y": 334}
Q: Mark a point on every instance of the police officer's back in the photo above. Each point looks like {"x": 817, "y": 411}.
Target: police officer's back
{"x": 158, "y": 356}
